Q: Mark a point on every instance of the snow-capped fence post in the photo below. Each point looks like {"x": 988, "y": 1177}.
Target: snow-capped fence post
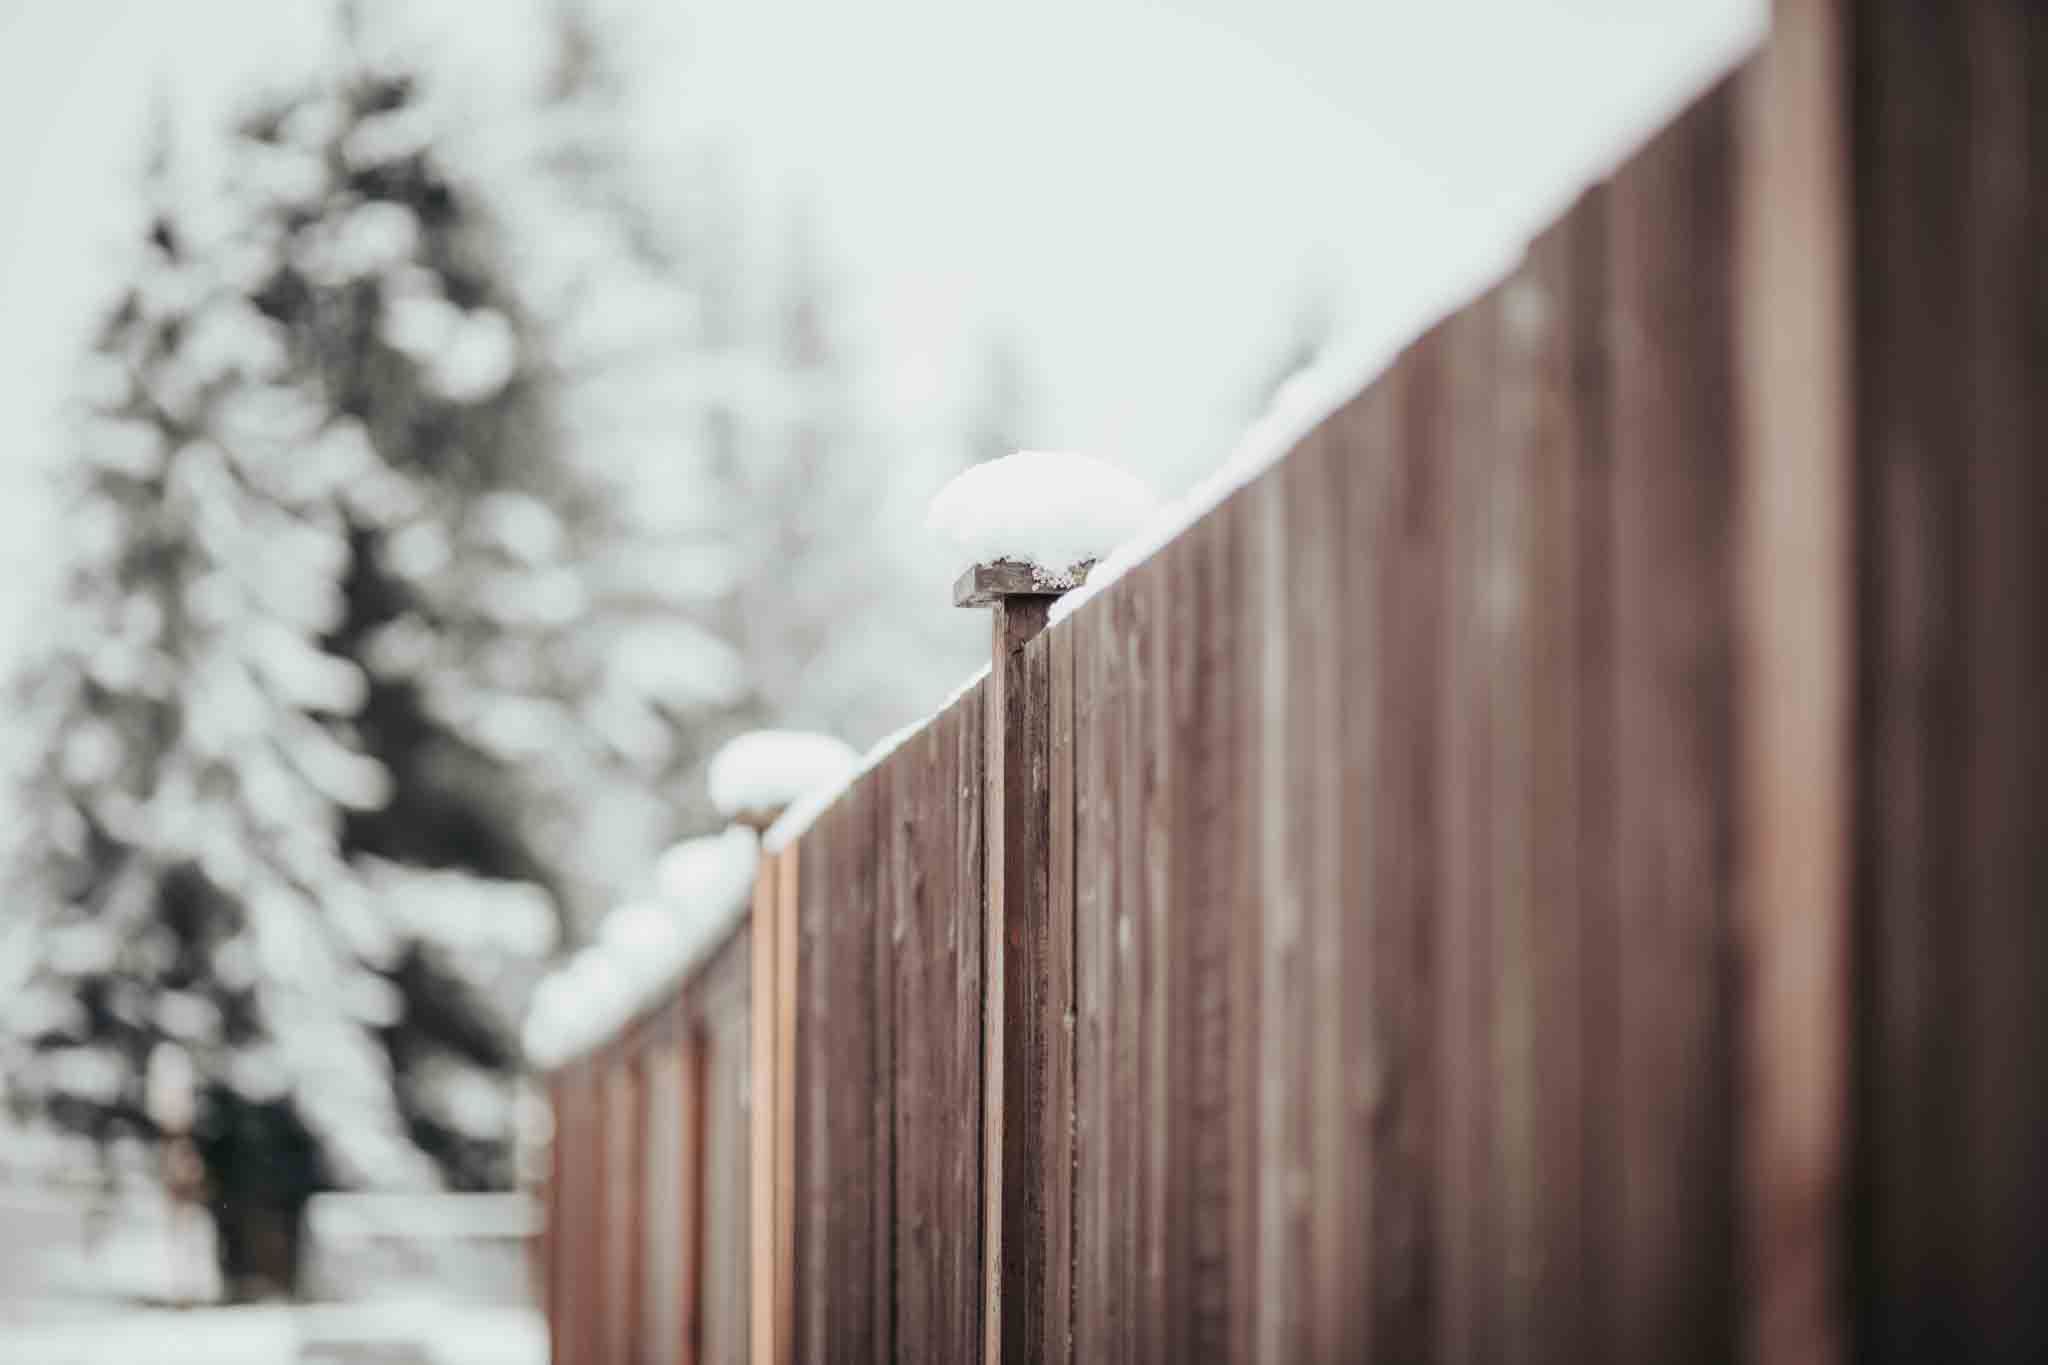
{"x": 1030, "y": 526}
{"x": 1020, "y": 963}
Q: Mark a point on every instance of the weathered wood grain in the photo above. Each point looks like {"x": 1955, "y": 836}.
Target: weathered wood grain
{"x": 1949, "y": 120}
{"x": 1671, "y": 219}
{"x": 929, "y": 829}
{"x": 1016, "y": 945}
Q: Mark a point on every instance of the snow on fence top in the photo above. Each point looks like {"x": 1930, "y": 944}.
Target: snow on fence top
{"x": 1054, "y": 510}
{"x": 763, "y": 771}
{"x": 1308, "y": 399}
{"x": 644, "y": 947}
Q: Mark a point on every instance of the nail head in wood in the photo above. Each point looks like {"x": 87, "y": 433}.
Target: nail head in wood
{"x": 984, "y": 585}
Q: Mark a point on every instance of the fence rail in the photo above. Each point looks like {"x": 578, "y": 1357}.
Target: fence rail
{"x": 1555, "y": 869}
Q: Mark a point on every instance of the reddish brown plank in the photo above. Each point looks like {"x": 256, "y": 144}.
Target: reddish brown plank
{"x": 1361, "y": 454}
{"x": 1671, "y": 216}
{"x": 1949, "y": 119}
{"x": 1401, "y": 940}
{"x": 1468, "y": 1204}
{"x": 1016, "y": 948}
{"x": 1796, "y": 599}
{"x": 722, "y": 1008}
{"x": 930, "y": 889}
{"x": 1058, "y": 1123}
{"x": 1555, "y": 961}
{"x": 768, "y": 1318}
{"x": 1098, "y": 757}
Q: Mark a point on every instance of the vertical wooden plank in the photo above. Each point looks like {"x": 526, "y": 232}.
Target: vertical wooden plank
{"x": 1295, "y": 805}
{"x": 554, "y": 1261}
{"x": 881, "y": 1006}
{"x": 621, "y": 1203}
{"x": 1098, "y": 773}
{"x": 731, "y": 1100}
{"x": 1347, "y": 1049}
{"x": 1949, "y": 119}
{"x": 1468, "y": 1201}
{"x": 1243, "y": 940}
{"x": 1016, "y": 946}
{"x": 1061, "y": 1002}
{"x": 787, "y": 889}
{"x": 1558, "y": 1258}
{"x": 1131, "y": 1099}
{"x": 762, "y": 1050}
{"x": 1402, "y": 945}
{"x": 930, "y": 881}
{"x": 1674, "y": 464}
{"x": 820, "y": 1092}
{"x": 664, "y": 1212}
{"x": 1796, "y": 599}
{"x": 967, "y": 913}
{"x": 837, "y": 1079}
{"x": 1158, "y": 960}
{"x": 2004, "y": 567}
{"x": 592, "y": 1294}
{"x": 689, "y": 1216}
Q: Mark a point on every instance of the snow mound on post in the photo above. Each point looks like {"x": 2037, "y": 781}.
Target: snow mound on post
{"x": 1053, "y": 509}
{"x": 644, "y": 947}
{"x": 765, "y": 770}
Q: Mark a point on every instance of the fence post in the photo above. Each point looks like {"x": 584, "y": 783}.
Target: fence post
{"x": 1017, "y": 1027}
{"x": 771, "y": 1063}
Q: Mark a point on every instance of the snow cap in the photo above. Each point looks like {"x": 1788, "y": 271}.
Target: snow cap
{"x": 644, "y": 947}
{"x": 762, "y": 771}
{"x": 1055, "y": 510}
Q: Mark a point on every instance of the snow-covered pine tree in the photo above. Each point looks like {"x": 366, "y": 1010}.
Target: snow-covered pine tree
{"x": 310, "y": 652}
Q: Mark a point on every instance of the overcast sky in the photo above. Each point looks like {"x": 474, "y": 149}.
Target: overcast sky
{"x": 1138, "y": 193}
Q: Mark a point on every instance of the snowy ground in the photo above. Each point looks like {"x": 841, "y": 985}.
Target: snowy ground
{"x": 419, "y": 1331}
{"x": 74, "y": 1295}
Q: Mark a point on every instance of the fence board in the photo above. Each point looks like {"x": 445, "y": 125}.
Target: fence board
{"x": 721, "y": 1009}
{"x": 1674, "y": 467}
{"x": 1555, "y": 363}
{"x": 1468, "y": 1313}
{"x": 1950, "y": 122}
{"x": 1058, "y": 644}
{"x": 1098, "y": 758}
{"x": 930, "y": 889}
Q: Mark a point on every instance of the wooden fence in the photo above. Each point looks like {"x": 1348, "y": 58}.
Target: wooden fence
{"x": 1556, "y": 869}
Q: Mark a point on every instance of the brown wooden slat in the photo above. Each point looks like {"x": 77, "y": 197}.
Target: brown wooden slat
{"x": 1796, "y": 598}
{"x": 1097, "y": 767}
{"x": 1360, "y": 484}
{"x": 1556, "y": 959}
{"x": 723, "y": 1011}
{"x": 788, "y": 890}
{"x": 1239, "y": 653}
{"x": 1134, "y": 1114}
{"x": 768, "y": 1317}
{"x": 1016, "y": 946}
{"x": 1671, "y": 215}
{"x": 1948, "y": 123}
{"x": 1467, "y": 1313}
{"x": 1404, "y": 806}
{"x": 930, "y": 888}
{"x": 1061, "y": 1000}
{"x": 1282, "y": 811}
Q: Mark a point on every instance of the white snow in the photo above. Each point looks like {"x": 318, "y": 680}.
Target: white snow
{"x": 644, "y": 947}
{"x": 1300, "y": 405}
{"x": 447, "y": 1330}
{"x": 805, "y": 810}
{"x": 1055, "y": 510}
{"x": 765, "y": 770}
